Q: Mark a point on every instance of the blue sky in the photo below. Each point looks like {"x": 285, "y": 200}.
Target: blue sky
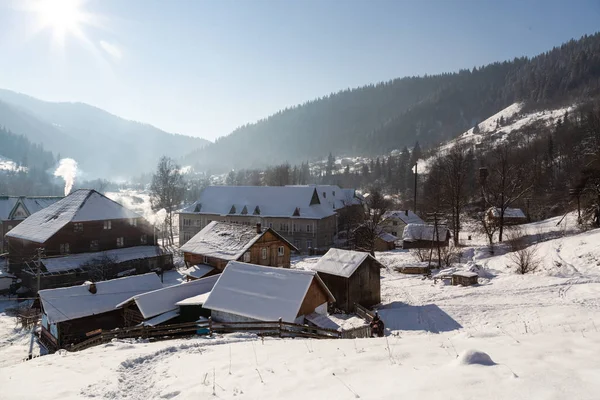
{"x": 203, "y": 68}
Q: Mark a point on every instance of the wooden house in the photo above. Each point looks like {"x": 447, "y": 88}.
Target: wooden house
{"x": 305, "y": 215}
{"x": 72, "y": 314}
{"x": 248, "y": 292}
{"x": 393, "y": 222}
{"x": 160, "y": 306}
{"x": 14, "y": 209}
{"x": 512, "y": 216}
{"x": 84, "y": 236}
{"x": 352, "y": 276}
{"x": 361, "y": 239}
{"x": 464, "y": 278}
{"x": 421, "y": 236}
{"x": 221, "y": 242}
{"x": 385, "y": 241}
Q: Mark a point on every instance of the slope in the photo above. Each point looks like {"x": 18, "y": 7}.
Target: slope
{"x": 103, "y": 144}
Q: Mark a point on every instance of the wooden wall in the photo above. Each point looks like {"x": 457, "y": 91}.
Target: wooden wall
{"x": 338, "y": 286}
{"x": 73, "y": 331}
{"x": 315, "y": 296}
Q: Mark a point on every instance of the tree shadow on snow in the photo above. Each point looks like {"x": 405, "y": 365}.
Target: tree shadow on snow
{"x": 399, "y": 316}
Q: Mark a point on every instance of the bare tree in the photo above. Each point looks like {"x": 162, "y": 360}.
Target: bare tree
{"x": 506, "y": 183}
{"x": 523, "y": 257}
{"x": 488, "y": 228}
{"x": 167, "y": 190}
{"x": 100, "y": 268}
{"x": 366, "y": 234}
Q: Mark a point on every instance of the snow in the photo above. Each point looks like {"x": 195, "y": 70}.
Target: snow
{"x": 31, "y": 204}
{"x": 341, "y": 262}
{"x": 195, "y": 300}
{"x": 423, "y": 232}
{"x": 80, "y": 206}
{"x": 73, "y": 302}
{"x": 411, "y": 218}
{"x": 198, "y": 271}
{"x": 508, "y": 213}
{"x": 540, "y": 332}
{"x": 9, "y": 165}
{"x": 74, "y": 261}
{"x": 465, "y": 274}
{"x": 222, "y": 240}
{"x": 261, "y": 293}
{"x": 153, "y": 303}
{"x": 387, "y": 237}
{"x": 272, "y": 201}
{"x": 159, "y": 319}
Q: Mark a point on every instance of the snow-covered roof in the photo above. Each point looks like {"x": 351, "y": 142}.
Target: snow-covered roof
{"x": 388, "y": 237}
{"x": 465, "y": 274}
{"x": 414, "y": 232}
{"x": 74, "y": 261}
{"x": 341, "y": 262}
{"x": 263, "y": 201}
{"x": 198, "y": 271}
{"x": 262, "y": 293}
{"x": 195, "y": 300}
{"x": 322, "y": 321}
{"x": 159, "y": 319}
{"x": 80, "y": 206}
{"x": 406, "y": 216}
{"x": 162, "y": 300}
{"x": 31, "y": 204}
{"x": 73, "y": 302}
{"x": 222, "y": 240}
{"x": 508, "y": 213}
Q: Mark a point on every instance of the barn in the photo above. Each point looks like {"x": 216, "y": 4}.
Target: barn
{"x": 72, "y": 314}
{"x": 422, "y": 236}
{"x": 352, "y": 276}
{"x": 160, "y": 306}
{"x": 249, "y": 292}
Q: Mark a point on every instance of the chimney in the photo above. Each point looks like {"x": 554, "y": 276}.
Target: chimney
{"x": 92, "y": 288}
{"x": 258, "y": 228}
{"x": 406, "y": 212}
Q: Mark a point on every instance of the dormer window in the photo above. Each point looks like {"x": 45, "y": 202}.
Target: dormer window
{"x": 198, "y": 207}
{"x": 333, "y": 193}
{"x": 256, "y": 210}
{"x": 232, "y": 210}
{"x": 244, "y": 210}
{"x": 324, "y": 195}
{"x": 297, "y": 212}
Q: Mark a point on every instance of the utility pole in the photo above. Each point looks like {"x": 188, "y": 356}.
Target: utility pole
{"x": 40, "y": 250}
{"x": 416, "y": 174}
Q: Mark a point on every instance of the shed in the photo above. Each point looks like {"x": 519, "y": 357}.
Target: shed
{"x": 249, "y": 292}
{"x": 199, "y": 271}
{"x": 512, "y": 216}
{"x": 385, "y": 241}
{"x": 352, "y": 276}
{"x": 192, "y": 308}
{"x": 159, "y": 306}
{"x": 423, "y": 236}
{"x": 464, "y": 278}
{"x": 71, "y": 314}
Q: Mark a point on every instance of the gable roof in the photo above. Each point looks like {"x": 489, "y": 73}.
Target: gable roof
{"x": 386, "y": 237}
{"x": 268, "y": 201}
{"x": 413, "y": 232}
{"x": 411, "y": 218}
{"x": 31, "y": 204}
{"x": 262, "y": 293}
{"x": 80, "y": 206}
{"x": 508, "y": 213}
{"x": 341, "y": 262}
{"x": 73, "y": 302}
{"x": 226, "y": 241}
{"x": 163, "y": 300}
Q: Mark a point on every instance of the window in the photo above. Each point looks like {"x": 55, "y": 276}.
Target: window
{"x": 144, "y": 239}
{"x": 78, "y": 227}
{"x": 294, "y": 227}
{"x": 94, "y": 245}
{"x": 308, "y": 228}
{"x": 247, "y": 257}
{"x": 309, "y": 244}
{"x": 133, "y": 222}
{"x": 395, "y": 223}
{"x": 280, "y": 251}
{"x": 198, "y": 222}
{"x": 64, "y": 248}
{"x": 264, "y": 253}
{"x": 187, "y": 236}
{"x": 187, "y": 222}
{"x": 205, "y": 260}
{"x": 120, "y": 242}
{"x": 107, "y": 225}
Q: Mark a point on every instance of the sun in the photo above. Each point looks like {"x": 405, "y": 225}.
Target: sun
{"x": 62, "y": 17}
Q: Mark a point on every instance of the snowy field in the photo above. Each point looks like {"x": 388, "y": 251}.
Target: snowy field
{"x": 540, "y": 331}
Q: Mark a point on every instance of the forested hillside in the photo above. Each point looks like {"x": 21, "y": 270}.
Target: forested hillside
{"x": 24, "y": 153}
{"x": 375, "y": 119}
{"x": 103, "y": 144}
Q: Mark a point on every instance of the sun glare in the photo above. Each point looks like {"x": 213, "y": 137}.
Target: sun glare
{"x": 63, "y": 17}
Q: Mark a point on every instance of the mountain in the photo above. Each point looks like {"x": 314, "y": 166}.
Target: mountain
{"x": 103, "y": 144}
{"x": 376, "y": 119}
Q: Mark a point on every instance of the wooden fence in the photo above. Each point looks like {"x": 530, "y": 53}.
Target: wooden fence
{"x": 262, "y": 328}
{"x": 363, "y": 312}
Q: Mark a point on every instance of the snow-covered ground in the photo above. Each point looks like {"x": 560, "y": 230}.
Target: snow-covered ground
{"x": 540, "y": 330}
{"x": 9, "y": 165}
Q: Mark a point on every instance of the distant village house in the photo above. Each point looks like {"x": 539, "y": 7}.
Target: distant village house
{"x": 512, "y": 216}
{"x": 422, "y": 236}
{"x": 393, "y": 222}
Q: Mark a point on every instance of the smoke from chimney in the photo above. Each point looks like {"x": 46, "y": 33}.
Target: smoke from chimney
{"x": 67, "y": 169}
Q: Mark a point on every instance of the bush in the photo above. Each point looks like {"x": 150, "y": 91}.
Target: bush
{"x": 523, "y": 257}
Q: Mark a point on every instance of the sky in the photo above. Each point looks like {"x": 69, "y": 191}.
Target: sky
{"x": 203, "y": 68}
